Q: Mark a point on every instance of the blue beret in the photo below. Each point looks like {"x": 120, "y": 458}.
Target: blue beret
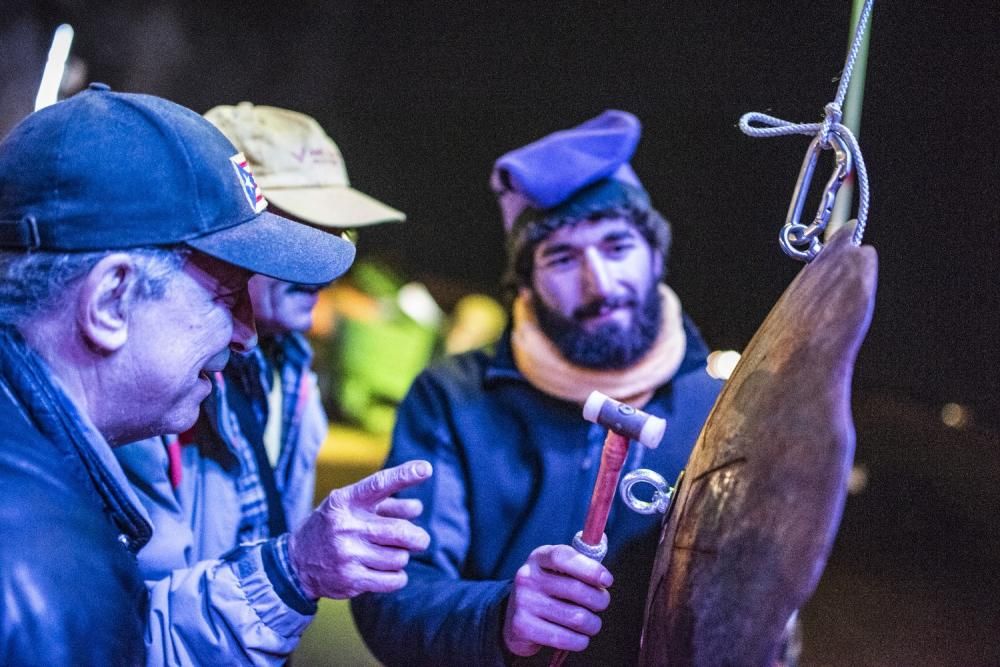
{"x": 550, "y": 171}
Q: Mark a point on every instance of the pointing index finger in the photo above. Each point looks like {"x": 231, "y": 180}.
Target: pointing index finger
{"x": 385, "y": 483}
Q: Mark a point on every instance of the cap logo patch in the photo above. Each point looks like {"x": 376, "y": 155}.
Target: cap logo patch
{"x": 247, "y": 183}
{"x": 316, "y": 155}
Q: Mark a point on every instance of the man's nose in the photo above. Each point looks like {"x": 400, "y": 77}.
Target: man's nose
{"x": 244, "y": 336}
{"x": 598, "y": 280}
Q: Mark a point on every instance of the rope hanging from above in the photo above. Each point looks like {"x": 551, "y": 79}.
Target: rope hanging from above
{"x": 799, "y": 240}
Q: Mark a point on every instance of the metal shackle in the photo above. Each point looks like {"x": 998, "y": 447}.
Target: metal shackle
{"x": 663, "y": 493}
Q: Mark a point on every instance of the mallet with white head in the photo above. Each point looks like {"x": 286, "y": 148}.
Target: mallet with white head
{"x": 624, "y": 423}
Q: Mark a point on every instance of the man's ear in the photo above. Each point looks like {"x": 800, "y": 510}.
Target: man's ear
{"x": 658, "y": 267}
{"x": 104, "y": 302}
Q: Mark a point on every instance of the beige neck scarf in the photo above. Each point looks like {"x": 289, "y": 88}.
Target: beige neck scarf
{"x": 544, "y": 366}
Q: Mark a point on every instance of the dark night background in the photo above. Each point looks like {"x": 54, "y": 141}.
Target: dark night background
{"x": 422, "y": 97}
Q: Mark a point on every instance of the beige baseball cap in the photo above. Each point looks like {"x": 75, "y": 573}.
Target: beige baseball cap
{"x": 298, "y": 167}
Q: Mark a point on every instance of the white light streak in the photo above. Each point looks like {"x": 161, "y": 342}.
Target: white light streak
{"x": 55, "y": 67}
{"x": 417, "y": 302}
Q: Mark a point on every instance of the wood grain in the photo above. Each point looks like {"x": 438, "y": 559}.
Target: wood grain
{"x": 749, "y": 534}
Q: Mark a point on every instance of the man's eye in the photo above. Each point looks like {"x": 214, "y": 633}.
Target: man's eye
{"x": 229, "y": 299}
{"x": 559, "y": 260}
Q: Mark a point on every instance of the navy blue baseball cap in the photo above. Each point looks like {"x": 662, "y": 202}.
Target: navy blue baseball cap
{"x": 105, "y": 170}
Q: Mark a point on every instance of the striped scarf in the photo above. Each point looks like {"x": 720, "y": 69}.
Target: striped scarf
{"x": 253, "y": 375}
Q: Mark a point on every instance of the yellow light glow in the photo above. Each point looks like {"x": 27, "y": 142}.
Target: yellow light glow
{"x": 955, "y": 415}
{"x": 857, "y": 480}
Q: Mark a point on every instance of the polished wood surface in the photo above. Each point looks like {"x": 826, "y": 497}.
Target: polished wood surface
{"x": 753, "y": 523}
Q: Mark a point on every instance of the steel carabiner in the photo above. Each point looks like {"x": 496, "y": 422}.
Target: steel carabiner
{"x": 794, "y": 234}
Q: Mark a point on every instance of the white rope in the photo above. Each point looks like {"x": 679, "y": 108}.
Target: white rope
{"x": 776, "y": 127}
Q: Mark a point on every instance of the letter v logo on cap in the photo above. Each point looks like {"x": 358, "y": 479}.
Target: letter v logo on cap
{"x": 250, "y": 188}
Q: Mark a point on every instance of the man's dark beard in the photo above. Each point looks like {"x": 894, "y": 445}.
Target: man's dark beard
{"x": 608, "y": 346}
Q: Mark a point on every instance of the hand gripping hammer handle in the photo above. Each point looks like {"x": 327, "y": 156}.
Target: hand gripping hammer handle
{"x": 624, "y": 423}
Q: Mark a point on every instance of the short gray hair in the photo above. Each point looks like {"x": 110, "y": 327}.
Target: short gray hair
{"x": 36, "y": 282}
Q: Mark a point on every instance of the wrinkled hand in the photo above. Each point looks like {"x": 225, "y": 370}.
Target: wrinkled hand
{"x": 359, "y": 539}
{"x": 556, "y": 596}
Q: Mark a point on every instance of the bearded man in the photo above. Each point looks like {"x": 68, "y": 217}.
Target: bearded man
{"x": 515, "y": 463}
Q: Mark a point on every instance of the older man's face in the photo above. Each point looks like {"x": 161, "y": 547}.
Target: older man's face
{"x": 177, "y": 341}
{"x": 281, "y": 307}
{"x": 595, "y": 295}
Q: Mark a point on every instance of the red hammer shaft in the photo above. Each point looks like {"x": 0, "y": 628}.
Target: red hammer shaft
{"x": 612, "y": 459}
{"x": 624, "y": 423}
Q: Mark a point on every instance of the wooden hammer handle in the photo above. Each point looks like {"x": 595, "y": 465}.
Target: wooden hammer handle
{"x": 612, "y": 460}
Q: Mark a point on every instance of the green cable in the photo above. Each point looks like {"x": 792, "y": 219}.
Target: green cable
{"x": 852, "y": 118}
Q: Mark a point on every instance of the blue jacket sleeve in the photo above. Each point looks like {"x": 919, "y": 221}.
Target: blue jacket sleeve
{"x": 439, "y": 618}
{"x": 241, "y": 610}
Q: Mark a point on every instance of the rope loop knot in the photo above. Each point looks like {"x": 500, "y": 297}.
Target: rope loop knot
{"x": 799, "y": 240}
{"x": 832, "y": 114}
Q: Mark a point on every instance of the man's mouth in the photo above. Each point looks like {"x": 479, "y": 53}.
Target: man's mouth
{"x": 214, "y": 365}
{"x": 601, "y": 310}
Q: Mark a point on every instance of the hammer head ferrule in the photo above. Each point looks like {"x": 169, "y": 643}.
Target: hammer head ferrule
{"x": 624, "y": 420}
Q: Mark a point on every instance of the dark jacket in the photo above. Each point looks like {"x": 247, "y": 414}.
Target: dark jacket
{"x": 71, "y": 591}
{"x": 514, "y": 469}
